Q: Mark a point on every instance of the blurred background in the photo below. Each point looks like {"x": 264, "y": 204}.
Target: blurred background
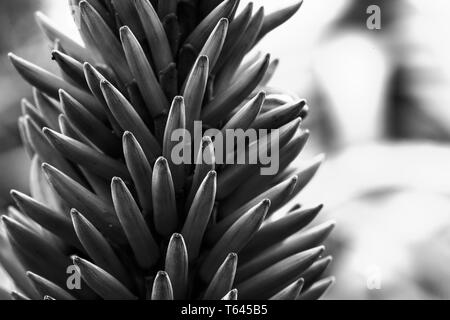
{"x": 379, "y": 111}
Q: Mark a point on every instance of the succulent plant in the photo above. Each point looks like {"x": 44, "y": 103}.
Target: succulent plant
{"x": 106, "y": 196}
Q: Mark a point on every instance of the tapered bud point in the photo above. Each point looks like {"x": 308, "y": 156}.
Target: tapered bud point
{"x": 97, "y": 247}
{"x": 235, "y": 238}
{"x": 93, "y": 76}
{"x": 276, "y": 277}
{"x": 306, "y": 134}
{"x": 105, "y": 84}
{"x": 212, "y": 174}
{"x": 74, "y": 213}
{"x": 7, "y": 220}
{"x": 317, "y": 290}
{"x": 129, "y": 139}
{"x": 223, "y": 280}
{"x": 313, "y": 273}
{"x": 39, "y": 16}
{"x": 46, "y": 168}
{"x": 176, "y": 265}
{"x": 162, "y": 275}
{"x": 215, "y": 42}
{"x": 222, "y": 23}
{"x": 18, "y": 296}
{"x": 194, "y": 89}
{"x": 178, "y": 100}
{"x": 199, "y": 36}
{"x": 290, "y": 128}
{"x": 12, "y": 225}
{"x": 67, "y": 101}
{"x": 266, "y": 203}
{"x": 103, "y": 283}
{"x": 126, "y": 34}
{"x": 165, "y": 213}
{"x": 206, "y": 141}
{"x": 234, "y": 94}
{"x": 14, "y": 58}
{"x": 200, "y": 213}
{"x": 261, "y": 96}
{"x": 154, "y": 29}
{"x": 125, "y": 31}
{"x": 176, "y": 237}
{"x": 75, "y": 259}
{"x": 203, "y": 62}
{"x": 198, "y": 73}
{"x": 54, "y": 35}
{"x": 245, "y": 117}
{"x": 297, "y": 286}
{"x": 176, "y": 120}
{"x": 162, "y": 287}
{"x": 14, "y": 193}
{"x": 24, "y": 102}
{"x": 109, "y": 91}
{"x": 291, "y": 292}
{"x": 232, "y": 295}
{"x": 51, "y": 220}
{"x": 140, "y": 170}
{"x": 85, "y": 8}
{"x": 116, "y": 181}
{"x": 232, "y": 256}
{"x": 63, "y": 94}
{"x": 19, "y": 63}
{"x": 316, "y": 251}
{"x": 129, "y": 119}
{"x": 143, "y": 73}
{"x": 292, "y": 182}
{"x": 319, "y": 159}
{"x": 139, "y": 236}
{"x": 277, "y": 18}
{"x": 307, "y": 173}
{"x": 127, "y": 135}
{"x": 59, "y": 56}
{"x": 304, "y": 113}
{"x": 161, "y": 162}
{"x": 56, "y": 54}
